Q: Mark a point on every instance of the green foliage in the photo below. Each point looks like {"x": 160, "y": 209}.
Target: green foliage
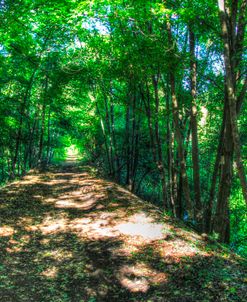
{"x": 82, "y": 74}
{"x": 238, "y": 221}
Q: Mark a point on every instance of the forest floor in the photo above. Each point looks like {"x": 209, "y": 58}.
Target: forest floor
{"x": 67, "y": 235}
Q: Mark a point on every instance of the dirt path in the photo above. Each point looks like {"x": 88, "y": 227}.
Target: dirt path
{"x": 66, "y": 235}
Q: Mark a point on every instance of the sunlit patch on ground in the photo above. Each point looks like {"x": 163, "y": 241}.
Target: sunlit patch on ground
{"x": 95, "y": 227}
{"x": 57, "y": 254}
{"x": 6, "y": 231}
{"x": 69, "y": 203}
{"x": 50, "y": 200}
{"x": 50, "y": 272}
{"x": 53, "y": 226}
{"x": 141, "y": 225}
{"x": 177, "y": 248}
{"x": 139, "y": 277}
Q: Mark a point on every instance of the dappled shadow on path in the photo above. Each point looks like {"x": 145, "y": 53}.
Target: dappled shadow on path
{"x": 66, "y": 235}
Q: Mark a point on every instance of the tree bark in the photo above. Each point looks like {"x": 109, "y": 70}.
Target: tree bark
{"x": 221, "y": 224}
{"x": 43, "y": 113}
{"x": 178, "y": 135}
{"x": 231, "y": 95}
{"x": 160, "y": 164}
{"x": 194, "y": 132}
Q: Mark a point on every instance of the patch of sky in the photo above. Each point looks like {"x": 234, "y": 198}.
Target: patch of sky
{"x": 78, "y": 43}
{"x": 95, "y": 24}
{"x": 2, "y": 5}
{"x": 218, "y": 66}
{"x": 3, "y": 51}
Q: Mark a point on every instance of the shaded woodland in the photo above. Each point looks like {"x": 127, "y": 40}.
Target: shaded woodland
{"x": 151, "y": 93}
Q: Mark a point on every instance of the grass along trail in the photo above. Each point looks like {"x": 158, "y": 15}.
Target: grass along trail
{"x": 66, "y": 235}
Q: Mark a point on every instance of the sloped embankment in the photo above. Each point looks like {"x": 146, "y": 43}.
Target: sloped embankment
{"x": 66, "y": 235}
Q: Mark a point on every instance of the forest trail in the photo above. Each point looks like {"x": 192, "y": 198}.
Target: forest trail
{"x": 67, "y": 235}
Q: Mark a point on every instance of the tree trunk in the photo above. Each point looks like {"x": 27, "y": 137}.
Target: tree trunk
{"x": 194, "y": 132}
{"x": 221, "y": 224}
{"x": 127, "y": 133}
{"x": 209, "y": 205}
{"x": 160, "y": 164}
{"x": 42, "y": 130}
{"x": 48, "y": 151}
{"x": 230, "y": 73}
{"x": 178, "y": 135}
{"x": 105, "y": 141}
{"x": 116, "y": 162}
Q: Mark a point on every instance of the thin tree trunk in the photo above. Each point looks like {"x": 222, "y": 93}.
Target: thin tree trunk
{"x": 132, "y": 149}
{"x": 221, "y": 222}
{"x": 209, "y": 206}
{"x": 127, "y": 132}
{"x": 48, "y": 151}
{"x": 146, "y": 101}
{"x": 135, "y": 154}
{"x": 178, "y": 135}
{"x": 117, "y": 167}
{"x": 160, "y": 163}
{"x": 105, "y": 141}
{"x": 170, "y": 159}
{"x": 181, "y": 156}
{"x": 108, "y": 126}
{"x": 194, "y": 132}
{"x": 42, "y": 130}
